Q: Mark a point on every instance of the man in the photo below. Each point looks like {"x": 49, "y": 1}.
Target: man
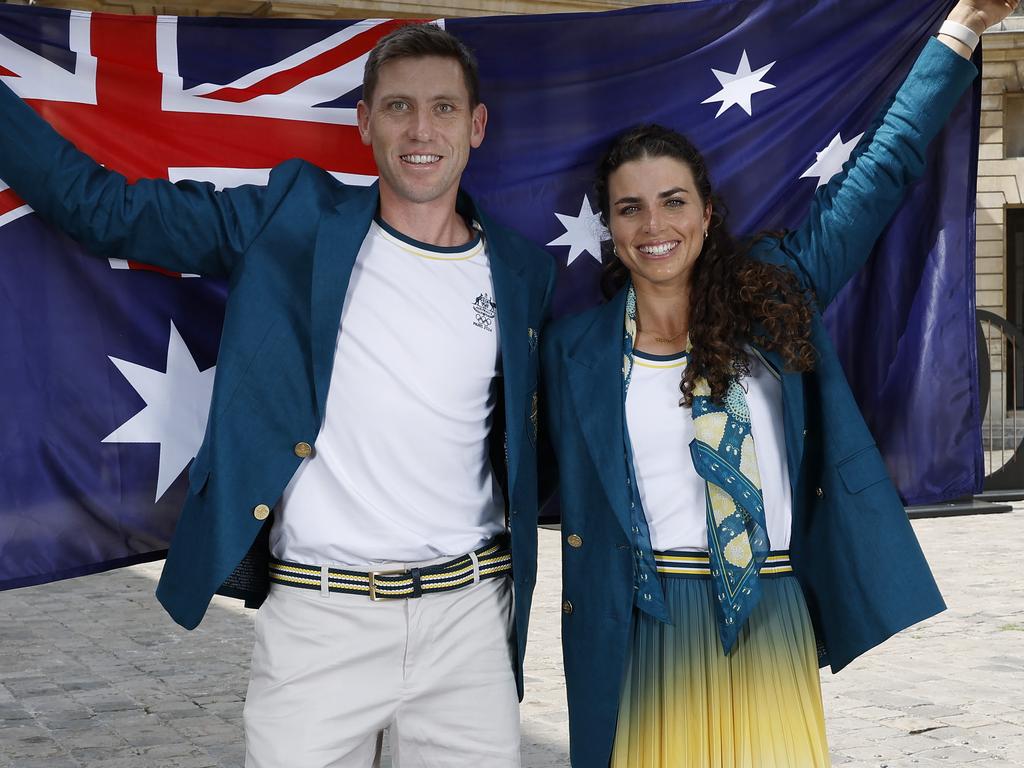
{"x": 373, "y": 421}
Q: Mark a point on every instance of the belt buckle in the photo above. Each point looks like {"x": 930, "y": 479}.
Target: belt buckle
{"x": 373, "y": 587}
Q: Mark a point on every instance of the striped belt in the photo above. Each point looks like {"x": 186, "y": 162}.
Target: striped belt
{"x": 490, "y": 561}
{"x": 696, "y": 563}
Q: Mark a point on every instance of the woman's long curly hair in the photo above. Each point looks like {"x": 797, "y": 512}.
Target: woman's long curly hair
{"x": 734, "y": 300}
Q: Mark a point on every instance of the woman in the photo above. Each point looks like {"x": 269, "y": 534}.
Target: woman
{"x": 719, "y": 546}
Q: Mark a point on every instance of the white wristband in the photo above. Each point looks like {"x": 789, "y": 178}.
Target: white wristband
{"x": 957, "y": 31}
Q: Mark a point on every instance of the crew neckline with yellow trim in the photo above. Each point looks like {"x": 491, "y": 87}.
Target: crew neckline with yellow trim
{"x": 674, "y": 357}
{"x": 466, "y": 249}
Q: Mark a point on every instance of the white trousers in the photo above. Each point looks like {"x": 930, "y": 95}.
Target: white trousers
{"x": 330, "y": 672}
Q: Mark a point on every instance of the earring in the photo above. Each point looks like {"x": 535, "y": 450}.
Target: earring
{"x": 705, "y": 234}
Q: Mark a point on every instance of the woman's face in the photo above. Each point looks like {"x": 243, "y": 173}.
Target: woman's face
{"x": 657, "y": 220}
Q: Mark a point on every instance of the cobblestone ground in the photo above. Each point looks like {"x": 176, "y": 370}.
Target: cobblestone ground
{"x": 92, "y": 673}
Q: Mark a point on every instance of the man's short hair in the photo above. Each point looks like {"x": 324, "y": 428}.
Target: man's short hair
{"x": 416, "y": 40}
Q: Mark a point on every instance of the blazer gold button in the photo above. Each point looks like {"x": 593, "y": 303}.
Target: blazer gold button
{"x": 566, "y": 607}
{"x": 819, "y": 492}
{"x": 575, "y": 541}
{"x": 261, "y": 512}
{"x": 303, "y": 450}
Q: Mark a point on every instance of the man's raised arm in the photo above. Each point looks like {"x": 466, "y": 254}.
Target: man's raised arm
{"x": 184, "y": 227}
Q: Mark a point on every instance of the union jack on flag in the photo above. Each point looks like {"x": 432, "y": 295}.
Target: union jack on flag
{"x": 139, "y": 96}
{"x": 106, "y": 373}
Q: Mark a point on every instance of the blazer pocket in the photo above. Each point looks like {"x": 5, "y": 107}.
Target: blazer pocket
{"x": 862, "y": 469}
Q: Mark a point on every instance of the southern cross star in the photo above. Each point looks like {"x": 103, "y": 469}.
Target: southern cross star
{"x": 583, "y": 233}
{"x": 831, "y": 159}
{"x": 177, "y": 405}
{"x": 739, "y": 86}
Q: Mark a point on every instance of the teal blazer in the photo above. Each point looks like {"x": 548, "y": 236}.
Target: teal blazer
{"x": 853, "y": 550}
{"x": 287, "y": 252}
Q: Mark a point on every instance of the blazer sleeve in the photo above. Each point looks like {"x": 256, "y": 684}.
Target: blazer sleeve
{"x": 849, "y": 213}
{"x": 185, "y": 227}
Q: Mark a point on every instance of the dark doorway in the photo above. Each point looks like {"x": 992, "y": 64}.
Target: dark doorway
{"x": 1015, "y": 300}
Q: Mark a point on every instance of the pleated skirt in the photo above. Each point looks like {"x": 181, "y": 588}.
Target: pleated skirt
{"x": 687, "y": 705}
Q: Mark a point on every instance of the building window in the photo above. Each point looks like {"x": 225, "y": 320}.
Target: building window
{"x": 1013, "y": 125}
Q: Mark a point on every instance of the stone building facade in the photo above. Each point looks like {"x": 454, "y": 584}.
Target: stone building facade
{"x": 1000, "y": 161}
{"x": 1000, "y": 208}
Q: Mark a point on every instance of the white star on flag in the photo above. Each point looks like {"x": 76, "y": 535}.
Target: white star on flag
{"x": 831, "y": 159}
{"x": 583, "y": 233}
{"x": 738, "y": 87}
{"x": 177, "y": 406}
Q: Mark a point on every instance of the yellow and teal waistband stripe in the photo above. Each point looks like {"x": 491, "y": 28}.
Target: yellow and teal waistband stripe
{"x": 490, "y": 561}
{"x": 696, "y": 564}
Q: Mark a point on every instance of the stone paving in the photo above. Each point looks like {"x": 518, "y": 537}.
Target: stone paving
{"x": 93, "y": 674}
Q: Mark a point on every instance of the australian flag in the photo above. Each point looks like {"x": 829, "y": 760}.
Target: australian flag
{"x": 106, "y": 368}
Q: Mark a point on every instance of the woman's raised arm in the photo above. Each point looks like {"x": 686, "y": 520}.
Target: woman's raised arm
{"x": 849, "y": 213}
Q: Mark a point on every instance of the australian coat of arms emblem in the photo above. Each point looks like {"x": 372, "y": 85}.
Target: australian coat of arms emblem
{"x": 486, "y": 310}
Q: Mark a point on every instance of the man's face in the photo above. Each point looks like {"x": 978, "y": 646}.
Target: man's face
{"x": 421, "y": 127}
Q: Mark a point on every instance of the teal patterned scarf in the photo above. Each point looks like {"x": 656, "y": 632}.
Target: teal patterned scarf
{"x": 723, "y": 455}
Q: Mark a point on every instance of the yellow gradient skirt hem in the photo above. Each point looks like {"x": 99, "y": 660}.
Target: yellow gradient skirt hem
{"x": 686, "y": 705}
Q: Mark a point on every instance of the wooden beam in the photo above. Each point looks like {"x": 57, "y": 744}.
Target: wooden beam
{"x": 323, "y": 9}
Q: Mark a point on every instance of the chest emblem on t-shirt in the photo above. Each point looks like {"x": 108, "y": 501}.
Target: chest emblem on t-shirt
{"x": 486, "y": 310}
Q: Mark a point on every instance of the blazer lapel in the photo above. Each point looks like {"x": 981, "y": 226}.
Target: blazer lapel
{"x": 793, "y": 416}
{"x": 512, "y": 295}
{"x": 338, "y": 240}
{"x": 594, "y": 368}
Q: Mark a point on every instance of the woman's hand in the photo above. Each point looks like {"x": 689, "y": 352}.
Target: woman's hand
{"x": 976, "y": 15}
{"x": 979, "y": 15}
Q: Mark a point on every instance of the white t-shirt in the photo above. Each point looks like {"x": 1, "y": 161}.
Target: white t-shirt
{"x": 661, "y": 431}
{"x": 400, "y": 470}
